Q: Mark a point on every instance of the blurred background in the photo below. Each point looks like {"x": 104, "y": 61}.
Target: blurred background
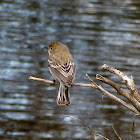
{"x": 97, "y": 32}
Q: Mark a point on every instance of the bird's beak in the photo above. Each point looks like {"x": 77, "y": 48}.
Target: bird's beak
{"x": 46, "y": 48}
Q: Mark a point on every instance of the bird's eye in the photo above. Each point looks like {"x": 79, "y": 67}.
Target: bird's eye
{"x": 51, "y": 49}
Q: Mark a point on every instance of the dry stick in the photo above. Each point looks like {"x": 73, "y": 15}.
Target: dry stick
{"x": 120, "y": 91}
{"x": 113, "y": 97}
{"x": 93, "y": 85}
{"x": 133, "y": 128}
{"x": 114, "y": 85}
{"x": 94, "y": 134}
{"x": 129, "y": 82}
{"x": 116, "y": 133}
{"x": 43, "y": 80}
{"x": 51, "y": 82}
{"x": 118, "y": 100}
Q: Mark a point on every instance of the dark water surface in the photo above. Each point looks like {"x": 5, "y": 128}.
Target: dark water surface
{"x": 97, "y": 32}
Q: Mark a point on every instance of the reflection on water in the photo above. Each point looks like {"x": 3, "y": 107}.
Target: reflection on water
{"x": 96, "y": 32}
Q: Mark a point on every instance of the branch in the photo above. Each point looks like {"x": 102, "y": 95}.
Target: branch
{"x": 94, "y": 134}
{"x": 114, "y": 97}
{"x": 116, "y": 133}
{"x": 129, "y": 82}
{"x": 133, "y": 97}
{"x": 120, "y": 91}
{"x": 52, "y": 82}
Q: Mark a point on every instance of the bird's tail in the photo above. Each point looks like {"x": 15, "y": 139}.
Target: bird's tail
{"x": 63, "y": 97}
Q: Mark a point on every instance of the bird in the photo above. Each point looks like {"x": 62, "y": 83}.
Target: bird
{"x": 62, "y": 67}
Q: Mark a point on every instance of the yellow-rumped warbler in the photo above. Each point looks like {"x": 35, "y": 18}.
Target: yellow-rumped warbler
{"x": 62, "y": 68}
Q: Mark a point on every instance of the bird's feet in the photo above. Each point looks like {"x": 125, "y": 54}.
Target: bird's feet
{"x": 54, "y": 81}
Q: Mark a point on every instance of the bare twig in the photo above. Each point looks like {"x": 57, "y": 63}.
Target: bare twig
{"x": 43, "y": 80}
{"x": 133, "y": 97}
{"x": 93, "y": 84}
{"x": 93, "y": 133}
{"x": 116, "y": 133}
{"x": 51, "y": 82}
{"x": 112, "y": 96}
{"x": 133, "y": 128}
{"x": 114, "y": 85}
{"x": 120, "y": 91}
{"x": 129, "y": 82}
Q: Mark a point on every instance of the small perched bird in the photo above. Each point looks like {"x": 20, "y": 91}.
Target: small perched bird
{"x": 62, "y": 68}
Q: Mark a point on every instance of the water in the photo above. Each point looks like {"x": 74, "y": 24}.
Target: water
{"x": 97, "y": 32}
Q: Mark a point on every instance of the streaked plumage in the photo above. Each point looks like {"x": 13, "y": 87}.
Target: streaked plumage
{"x": 62, "y": 68}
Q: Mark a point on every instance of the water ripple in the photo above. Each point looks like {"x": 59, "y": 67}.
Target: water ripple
{"x": 96, "y": 32}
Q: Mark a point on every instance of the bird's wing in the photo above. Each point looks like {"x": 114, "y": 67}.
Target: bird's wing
{"x": 65, "y": 73}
